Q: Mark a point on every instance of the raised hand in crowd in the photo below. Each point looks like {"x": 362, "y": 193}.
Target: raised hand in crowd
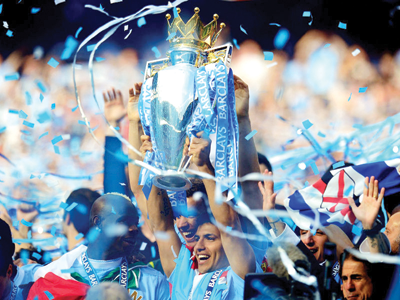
{"x": 114, "y": 108}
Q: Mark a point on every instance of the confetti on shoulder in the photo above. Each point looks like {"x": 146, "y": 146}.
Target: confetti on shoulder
{"x": 79, "y": 236}
{"x": 250, "y": 135}
{"x": 13, "y": 76}
{"x": 268, "y": 55}
{"x": 49, "y": 295}
{"x": 53, "y": 63}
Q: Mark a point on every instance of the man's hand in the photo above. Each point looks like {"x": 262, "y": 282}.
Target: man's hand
{"x": 267, "y": 190}
{"x": 133, "y": 112}
{"x": 114, "y": 109}
{"x": 242, "y": 98}
{"x": 368, "y": 210}
{"x": 200, "y": 150}
{"x": 146, "y": 144}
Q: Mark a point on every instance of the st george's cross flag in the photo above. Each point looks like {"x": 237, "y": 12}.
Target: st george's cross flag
{"x": 325, "y": 202}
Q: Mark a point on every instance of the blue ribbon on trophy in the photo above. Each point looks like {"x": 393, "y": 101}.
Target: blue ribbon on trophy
{"x": 170, "y": 111}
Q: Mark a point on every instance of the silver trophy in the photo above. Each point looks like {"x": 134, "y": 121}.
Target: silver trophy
{"x": 173, "y": 92}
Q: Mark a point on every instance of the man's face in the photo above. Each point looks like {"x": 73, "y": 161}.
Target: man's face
{"x": 357, "y": 285}
{"x": 125, "y": 216}
{"x": 393, "y": 232}
{"x": 187, "y": 225}
{"x": 5, "y": 283}
{"x": 209, "y": 252}
{"x": 315, "y": 243}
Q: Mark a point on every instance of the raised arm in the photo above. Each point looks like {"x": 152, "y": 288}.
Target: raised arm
{"x": 162, "y": 224}
{"x": 238, "y": 251}
{"x": 367, "y": 213}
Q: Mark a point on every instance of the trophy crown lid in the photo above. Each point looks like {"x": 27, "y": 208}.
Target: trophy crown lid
{"x": 193, "y": 33}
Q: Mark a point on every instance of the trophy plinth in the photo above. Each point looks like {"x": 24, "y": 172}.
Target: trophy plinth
{"x": 174, "y": 182}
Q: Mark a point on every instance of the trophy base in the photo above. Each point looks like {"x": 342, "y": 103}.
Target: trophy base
{"x": 175, "y": 182}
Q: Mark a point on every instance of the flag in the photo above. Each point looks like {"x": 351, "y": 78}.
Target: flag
{"x": 325, "y": 202}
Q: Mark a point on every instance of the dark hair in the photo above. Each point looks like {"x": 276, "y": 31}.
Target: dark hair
{"x": 391, "y": 202}
{"x": 197, "y": 186}
{"x": 79, "y": 216}
{"x": 7, "y": 248}
{"x": 263, "y": 160}
{"x": 346, "y": 255}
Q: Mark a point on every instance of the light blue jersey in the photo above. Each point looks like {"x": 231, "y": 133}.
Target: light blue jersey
{"x": 227, "y": 284}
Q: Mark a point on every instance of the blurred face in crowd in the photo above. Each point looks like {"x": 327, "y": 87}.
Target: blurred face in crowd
{"x": 393, "y": 232}
{"x": 357, "y": 285}
{"x": 187, "y": 225}
{"x": 5, "y": 281}
{"x": 209, "y": 252}
{"x": 315, "y": 243}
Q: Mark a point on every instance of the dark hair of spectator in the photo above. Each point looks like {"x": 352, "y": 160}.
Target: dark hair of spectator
{"x": 197, "y": 186}
{"x": 7, "y": 248}
{"x": 79, "y": 216}
{"x": 263, "y": 160}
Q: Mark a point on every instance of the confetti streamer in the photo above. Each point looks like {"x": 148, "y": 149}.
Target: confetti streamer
{"x": 268, "y": 55}
{"x": 42, "y": 135}
{"x": 35, "y": 10}
{"x": 11, "y": 77}
{"x": 156, "y": 52}
{"x": 115, "y": 1}
{"x": 141, "y": 22}
{"x": 250, "y": 135}
{"x": 236, "y": 44}
{"x": 342, "y": 25}
{"x": 272, "y": 65}
{"x": 243, "y": 30}
{"x": 28, "y": 124}
{"x": 307, "y": 124}
{"x": 314, "y": 168}
{"x": 281, "y": 38}
{"x": 275, "y": 24}
{"x": 350, "y": 97}
{"x": 26, "y": 223}
{"x": 362, "y": 89}
{"x": 173, "y": 251}
{"x": 128, "y": 34}
{"x": 77, "y": 32}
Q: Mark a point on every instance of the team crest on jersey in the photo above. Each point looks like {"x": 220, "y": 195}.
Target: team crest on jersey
{"x": 223, "y": 278}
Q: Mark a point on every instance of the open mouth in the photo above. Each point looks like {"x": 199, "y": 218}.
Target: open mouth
{"x": 202, "y": 258}
{"x": 188, "y": 234}
{"x": 313, "y": 251}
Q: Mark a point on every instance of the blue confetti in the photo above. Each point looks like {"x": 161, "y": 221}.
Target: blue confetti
{"x": 41, "y": 97}
{"x": 350, "y": 97}
{"x": 307, "y": 124}
{"x": 68, "y": 271}
{"x": 48, "y": 294}
{"x": 314, "y": 168}
{"x": 22, "y": 114}
{"x": 2, "y": 129}
{"x": 56, "y": 149}
{"x": 1, "y": 8}
{"x": 281, "y": 38}
{"x": 24, "y": 254}
{"x": 13, "y": 76}
{"x": 32, "y": 176}
{"x": 28, "y": 98}
{"x": 69, "y": 48}
{"x": 79, "y": 236}
{"x": 35, "y": 10}
{"x": 9, "y": 33}
{"x": 29, "y": 234}
{"x": 250, "y": 135}
{"x": 99, "y": 59}
{"x": 75, "y": 108}
{"x": 53, "y": 63}
{"x": 13, "y": 111}
{"x": 321, "y": 134}
{"x": 15, "y": 223}
{"x": 78, "y": 31}
{"x": 348, "y": 191}
{"x": 141, "y": 22}
{"x": 112, "y": 210}
{"x": 156, "y": 52}
{"x": 171, "y": 36}
{"x": 176, "y": 15}
{"x": 82, "y": 122}
{"x": 356, "y": 230}
{"x": 153, "y": 252}
{"x": 228, "y": 228}
{"x": 101, "y": 7}
{"x": 362, "y": 89}
{"x": 236, "y": 44}
{"x": 243, "y": 30}
{"x": 306, "y": 14}
{"x": 53, "y": 106}
{"x": 338, "y": 165}
{"x": 28, "y": 124}
{"x": 42, "y": 135}
{"x": 275, "y": 24}
{"x": 53, "y": 230}
{"x": 327, "y": 45}
{"x": 26, "y": 132}
{"x": 56, "y": 139}
{"x": 268, "y": 55}
{"x": 36, "y": 255}
{"x": 82, "y": 209}
{"x": 92, "y": 235}
{"x": 26, "y": 223}
{"x": 44, "y": 117}
{"x": 47, "y": 257}
{"x": 342, "y": 25}
{"x": 90, "y": 48}
{"x": 63, "y": 205}
{"x": 41, "y": 86}
{"x": 39, "y": 249}
{"x": 71, "y": 207}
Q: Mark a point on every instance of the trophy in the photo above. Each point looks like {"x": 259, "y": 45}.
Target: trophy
{"x": 173, "y": 98}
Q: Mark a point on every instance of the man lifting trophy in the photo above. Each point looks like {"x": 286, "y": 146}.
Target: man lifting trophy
{"x": 190, "y": 91}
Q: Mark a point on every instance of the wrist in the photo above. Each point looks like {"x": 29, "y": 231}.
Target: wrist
{"x": 243, "y": 118}
{"x": 134, "y": 122}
